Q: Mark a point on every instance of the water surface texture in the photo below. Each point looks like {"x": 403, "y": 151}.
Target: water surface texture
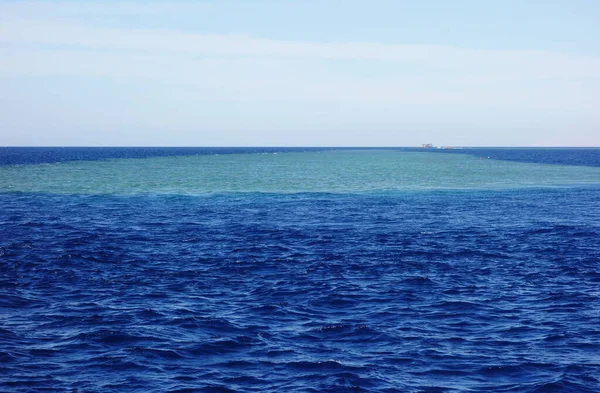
{"x": 301, "y": 271}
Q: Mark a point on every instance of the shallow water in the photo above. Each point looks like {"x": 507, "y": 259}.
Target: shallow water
{"x": 339, "y": 171}
{"x": 379, "y": 271}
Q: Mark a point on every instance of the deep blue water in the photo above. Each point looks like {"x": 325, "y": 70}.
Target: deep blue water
{"x": 428, "y": 291}
{"x": 587, "y": 156}
{"x": 40, "y": 155}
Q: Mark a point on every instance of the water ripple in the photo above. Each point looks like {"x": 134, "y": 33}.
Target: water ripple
{"x": 480, "y": 292}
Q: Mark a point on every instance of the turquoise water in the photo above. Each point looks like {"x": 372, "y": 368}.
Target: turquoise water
{"x": 325, "y": 171}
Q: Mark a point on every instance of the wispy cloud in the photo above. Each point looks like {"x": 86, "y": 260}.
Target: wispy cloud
{"x": 268, "y": 68}
{"x": 169, "y": 42}
{"x": 63, "y": 39}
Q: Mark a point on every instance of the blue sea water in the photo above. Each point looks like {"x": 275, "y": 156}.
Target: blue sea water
{"x": 299, "y": 270}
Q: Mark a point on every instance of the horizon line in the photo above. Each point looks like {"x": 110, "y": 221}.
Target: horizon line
{"x": 433, "y": 147}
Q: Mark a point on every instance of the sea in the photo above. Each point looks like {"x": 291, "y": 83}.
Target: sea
{"x": 299, "y": 270}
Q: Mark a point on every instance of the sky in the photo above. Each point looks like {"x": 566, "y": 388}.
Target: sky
{"x": 300, "y": 73}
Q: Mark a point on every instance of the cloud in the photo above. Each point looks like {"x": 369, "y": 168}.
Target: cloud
{"x": 168, "y": 42}
{"x": 73, "y": 25}
{"x": 256, "y": 68}
{"x": 66, "y": 40}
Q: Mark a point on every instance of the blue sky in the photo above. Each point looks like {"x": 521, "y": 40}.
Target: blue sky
{"x": 300, "y": 73}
